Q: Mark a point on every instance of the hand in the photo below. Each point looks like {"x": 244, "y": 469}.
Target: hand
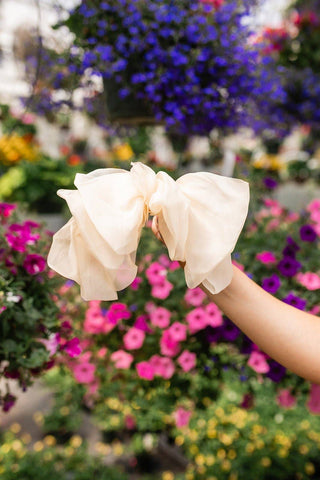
{"x": 156, "y": 231}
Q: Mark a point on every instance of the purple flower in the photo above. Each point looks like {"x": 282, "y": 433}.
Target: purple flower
{"x": 270, "y": 183}
{"x": 276, "y": 372}
{"x": 7, "y": 402}
{"x": 213, "y": 334}
{"x": 308, "y": 233}
{"x": 295, "y": 301}
{"x": 229, "y": 331}
{"x": 271, "y": 284}
{"x": 34, "y": 264}
{"x": 289, "y": 266}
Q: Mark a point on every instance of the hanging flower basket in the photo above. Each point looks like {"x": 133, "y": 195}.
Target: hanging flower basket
{"x": 128, "y": 111}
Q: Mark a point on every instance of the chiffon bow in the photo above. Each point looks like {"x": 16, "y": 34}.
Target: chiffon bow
{"x": 200, "y": 217}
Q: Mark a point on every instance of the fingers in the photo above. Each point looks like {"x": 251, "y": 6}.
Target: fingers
{"x": 155, "y": 229}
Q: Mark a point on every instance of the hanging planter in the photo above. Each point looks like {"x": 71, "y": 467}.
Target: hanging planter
{"x": 186, "y": 64}
{"x": 128, "y": 111}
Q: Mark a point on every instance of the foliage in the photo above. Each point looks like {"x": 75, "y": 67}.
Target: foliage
{"x": 46, "y": 461}
{"x": 30, "y": 327}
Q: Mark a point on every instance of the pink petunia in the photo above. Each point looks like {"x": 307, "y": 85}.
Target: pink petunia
{"x": 162, "y": 289}
{"x": 141, "y": 323}
{"x": 174, "y": 265}
{"x": 168, "y": 346}
{"x": 160, "y": 317}
{"x": 286, "y": 399}
{"x": 95, "y": 322}
{"x": 101, "y": 353}
{"x": 309, "y": 280}
{"x": 214, "y": 315}
{"x": 84, "y": 372}
{"x": 121, "y": 359}
{"x": 163, "y": 366}
{"x": 182, "y": 417}
{"x": 34, "y": 264}
{"x": 314, "y": 205}
{"x": 164, "y": 260}
{"x": 133, "y": 339}
{"x": 187, "y": 360}
{"x": 197, "y": 319}
{"x": 52, "y": 343}
{"x": 6, "y": 209}
{"x": 155, "y": 273}
{"x": 135, "y": 284}
{"x": 266, "y": 257}
{"x": 145, "y": 370}
{"x": 194, "y": 296}
{"x": 118, "y": 311}
{"x": 313, "y": 403}
{"x": 178, "y": 331}
{"x": 72, "y": 347}
{"x": 257, "y": 361}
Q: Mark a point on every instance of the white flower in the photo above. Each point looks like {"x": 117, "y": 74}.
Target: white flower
{"x": 13, "y": 298}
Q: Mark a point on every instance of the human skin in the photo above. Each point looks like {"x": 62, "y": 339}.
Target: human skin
{"x": 288, "y": 335}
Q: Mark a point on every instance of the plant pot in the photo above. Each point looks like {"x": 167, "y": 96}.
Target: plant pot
{"x": 127, "y": 111}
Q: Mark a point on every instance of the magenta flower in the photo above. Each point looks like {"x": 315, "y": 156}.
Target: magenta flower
{"x": 135, "y": 284}
{"x": 84, "y": 372}
{"x": 118, "y": 311}
{"x": 257, "y": 361}
{"x": 34, "y": 264}
{"x": 178, "y": 331}
{"x": 187, "y": 360}
{"x": 197, "y": 319}
{"x": 6, "y": 209}
{"x": 168, "y": 346}
{"x": 133, "y": 339}
{"x": 141, "y": 323}
{"x": 72, "y": 347}
{"x": 286, "y": 399}
{"x": 145, "y": 370}
{"x": 160, "y": 317}
{"x": 121, "y": 359}
{"x": 214, "y": 316}
{"x": 162, "y": 289}
{"x": 313, "y": 403}
{"x": 182, "y": 417}
{"x": 266, "y": 257}
{"x": 194, "y": 296}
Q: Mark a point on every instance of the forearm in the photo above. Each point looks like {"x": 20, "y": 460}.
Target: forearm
{"x": 288, "y": 335}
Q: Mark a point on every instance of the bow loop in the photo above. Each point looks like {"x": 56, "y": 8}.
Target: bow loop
{"x": 200, "y": 218}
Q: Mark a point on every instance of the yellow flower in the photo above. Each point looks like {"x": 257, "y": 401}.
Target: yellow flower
{"x": 64, "y": 410}
{"x": 232, "y": 454}
{"x": 309, "y": 468}
{"x": 179, "y": 440}
{"x": 226, "y": 465}
{"x": 303, "y": 449}
{"x": 265, "y": 461}
{"x": 283, "y": 452}
{"x": 193, "y": 449}
{"x": 15, "y": 427}
{"x": 123, "y": 152}
{"x": 50, "y": 440}
{"x": 250, "y": 448}
{"x": 221, "y": 454}
{"x": 233, "y": 476}
{"x": 167, "y": 476}
{"x": 210, "y": 460}
{"x": 200, "y": 459}
{"x": 38, "y": 446}
{"x": 75, "y": 441}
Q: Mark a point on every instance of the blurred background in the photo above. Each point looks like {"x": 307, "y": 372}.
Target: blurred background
{"x": 159, "y": 384}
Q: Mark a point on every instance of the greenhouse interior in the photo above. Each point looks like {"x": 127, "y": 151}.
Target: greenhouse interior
{"x": 160, "y": 239}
